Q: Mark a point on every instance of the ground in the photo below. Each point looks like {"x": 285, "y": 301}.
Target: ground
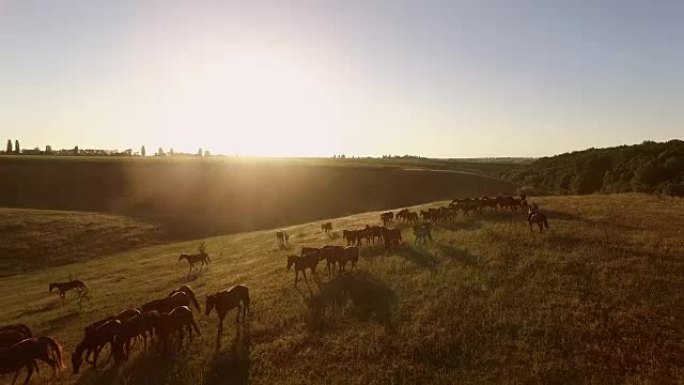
{"x": 599, "y": 298}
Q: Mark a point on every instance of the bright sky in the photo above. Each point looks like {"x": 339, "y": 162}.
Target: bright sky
{"x": 467, "y": 78}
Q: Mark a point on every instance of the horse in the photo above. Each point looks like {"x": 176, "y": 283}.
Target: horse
{"x": 11, "y": 334}
{"x": 188, "y": 290}
{"x": 538, "y": 218}
{"x": 283, "y": 239}
{"x": 332, "y": 255}
{"x": 412, "y": 217}
{"x": 373, "y": 232}
{"x": 94, "y": 341}
{"x": 122, "y": 316}
{"x": 392, "y": 237}
{"x": 326, "y": 227}
{"x": 132, "y": 328}
{"x": 422, "y": 233}
{"x": 178, "y": 321}
{"x": 63, "y": 287}
{"x": 194, "y": 259}
{"x": 165, "y": 305}
{"x": 24, "y": 353}
{"x": 349, "y": 254}
{"x": 352, "y": 236}
{"x": 236, "y": 296}
{"x": 387, "y": 218}
{"x": 303, "y": 262}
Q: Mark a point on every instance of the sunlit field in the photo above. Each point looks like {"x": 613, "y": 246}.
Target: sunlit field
{"x": 597, "y": 299}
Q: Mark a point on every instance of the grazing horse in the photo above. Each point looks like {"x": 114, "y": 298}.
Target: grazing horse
{"x": 422, "y": 233}
{"x": 135, "y": 327}
{"x": 349, "y": 254}
{"x": 326, "y": 227}
{"x": 94, "y": 341}
{"x": 63, "y": 287}
{"x": 179, "y": 320}
{"x": 283, "y": 239}
{"x": 165, "y": 305}
{"x": 538, "y": 218}
{"x": 303, "y": 262}
{"x": 236, "y": 296}
{"x": 11, "y": 334}
{"x": 187, "y": 290}
{"x": 412, "y": 217}
{"x": 24, "y": 353}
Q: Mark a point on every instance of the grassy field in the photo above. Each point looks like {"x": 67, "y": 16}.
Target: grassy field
{"x": 198, "y": 197}
{"x": 598, "y": 299}
{"x": 31, "y": 239}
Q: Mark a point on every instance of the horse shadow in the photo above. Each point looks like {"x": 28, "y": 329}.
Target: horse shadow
{"x": 147, "y": 367}
{"x": 363, "y": 295}
{"x": 461, "y": 255}
{"x": 232, "y": 365}
{"x": 373, "y": 251}
{"x": 419, "y": 256}
{"x": 470, "y": 224}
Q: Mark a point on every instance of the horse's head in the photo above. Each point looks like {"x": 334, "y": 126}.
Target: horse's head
{"x": 210, "y": 303}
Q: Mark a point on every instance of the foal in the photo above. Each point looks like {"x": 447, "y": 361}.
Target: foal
{"x": 237, "y": 296}
{"x": 63, "y": 287}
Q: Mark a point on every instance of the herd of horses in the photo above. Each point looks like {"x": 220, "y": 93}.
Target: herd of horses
{"x": 164, "y": 319}
{"x": 170, "y": 318}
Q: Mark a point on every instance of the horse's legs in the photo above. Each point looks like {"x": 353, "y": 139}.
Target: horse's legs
{"x": 220, "y": 331}
{"x": 29, "y": 367}
{"x": 296, "y": 276}
{"x": 305, "y": 279}
{"x": 237, "y": 316}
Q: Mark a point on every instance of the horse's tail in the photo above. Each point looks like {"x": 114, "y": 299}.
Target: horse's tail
{"x": 191, "y": 294}
{"x": 56, "y": 349}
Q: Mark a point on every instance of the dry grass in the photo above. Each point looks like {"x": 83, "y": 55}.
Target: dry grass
{"x": 599, "y": 299}
{"x": 31, "y": 239}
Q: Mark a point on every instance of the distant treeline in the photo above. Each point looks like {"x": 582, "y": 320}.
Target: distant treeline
{"x": 647, "y": 167}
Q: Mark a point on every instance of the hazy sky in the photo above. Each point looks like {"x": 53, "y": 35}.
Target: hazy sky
{"x": 438, "y": 78}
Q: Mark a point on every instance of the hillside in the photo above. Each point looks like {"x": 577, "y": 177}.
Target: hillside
{"x": 31, "y": 239}
{"x": 648, "y": 167}
{"x": 193, "y": 197}
{"x": 598, "y": 299}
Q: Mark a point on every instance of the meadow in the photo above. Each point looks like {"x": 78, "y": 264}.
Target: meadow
{"x": 198, "y": 197}
{"x": 597, "y": 299}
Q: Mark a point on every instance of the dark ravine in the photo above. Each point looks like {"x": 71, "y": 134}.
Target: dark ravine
{"x": 193, "y": 199}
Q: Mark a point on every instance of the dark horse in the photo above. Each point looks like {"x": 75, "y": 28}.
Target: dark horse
{"x": 193, "y": 259}
{"x": 93, "y": 341}
{"x": 308, "y": 260}
{"x": 187, "y": 290}
{"x": 326, "y": 227}
{"x": 179, "y": 320}
{"x": 171, "y": 302}
{"x": 11, "y": 334}
{"x": 236, "y": 296}
{"x": 63, "y": 287}
{"x": 538, "y": 218}
{"x": 23, "y": 355}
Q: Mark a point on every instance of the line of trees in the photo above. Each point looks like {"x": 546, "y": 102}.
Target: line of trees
{"x": 647, "y": 167}
{"x": 76, "y": 151}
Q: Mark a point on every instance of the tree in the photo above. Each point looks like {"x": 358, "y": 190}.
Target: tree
{"x": 160, "y": 152}
{"x": 199, "y": 152}
{"x": 171, "y": 152}
{"x": 48, "y": 149}
{"x": 9, "y": 146}
{"x": 17, "y": 149}
{"x": 142, "y": 151}
{"x": 207, "y": 153}
{"x": 76, "y": 150}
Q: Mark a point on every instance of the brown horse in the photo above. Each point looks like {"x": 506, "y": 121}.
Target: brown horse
{"x": 349, "y": 254}
{"x": 23, "y": 355}
{"x": 538, "y": 218}
{"x": 11, "y": 334}
{"x": 132, "y": 328}
{"x": 301, "y": 263}
{"x": 236, "y": 296}
{"x": 387, "y": 218}
{"x": 326, "y": 227}
{"x": 187, "y": 290}
{"x": 193, "y": 259}
{"x": 179, "y": 320}
{"x": 169, "y": 303}
{"x": 392, "y": 237}
{"x": 122, "y": 316}
{"x": 333, "y": 255}
{"x": 63, "y": 287}
{"x": 94, "y": 341}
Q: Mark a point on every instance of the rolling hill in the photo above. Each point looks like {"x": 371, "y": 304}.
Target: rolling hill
{"x": 597, "y": 299}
